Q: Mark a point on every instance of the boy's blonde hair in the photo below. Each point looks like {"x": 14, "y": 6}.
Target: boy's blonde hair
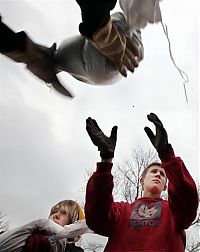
{"x": 71, "y": 208}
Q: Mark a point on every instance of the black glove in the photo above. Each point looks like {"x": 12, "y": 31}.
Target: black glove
{"x": 95, "y": 14}
{"x": 106, "y": 145}
{"x": 160, "y": 139}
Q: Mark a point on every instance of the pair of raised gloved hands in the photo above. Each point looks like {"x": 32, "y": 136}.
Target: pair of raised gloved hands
{"x": 106, "y": 145}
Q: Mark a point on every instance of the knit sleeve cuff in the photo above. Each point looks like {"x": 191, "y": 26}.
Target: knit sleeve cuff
{"x": 104, "y": 167}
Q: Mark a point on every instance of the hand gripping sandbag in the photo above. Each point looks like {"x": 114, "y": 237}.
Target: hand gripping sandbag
{"x": 39, "y": 60}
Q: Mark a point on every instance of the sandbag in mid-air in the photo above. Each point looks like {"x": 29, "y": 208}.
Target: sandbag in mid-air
{"x": 108, "y": 46}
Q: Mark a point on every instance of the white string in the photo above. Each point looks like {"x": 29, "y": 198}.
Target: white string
{"x": 182, "y": 73}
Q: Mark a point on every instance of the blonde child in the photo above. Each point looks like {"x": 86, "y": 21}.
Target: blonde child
{"x": 60, "y": 231}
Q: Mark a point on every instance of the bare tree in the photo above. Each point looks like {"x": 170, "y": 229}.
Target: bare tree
{"x": 3, "y": 224}
{"x": 127, "y": 174}
{"x": 193, "y": 243}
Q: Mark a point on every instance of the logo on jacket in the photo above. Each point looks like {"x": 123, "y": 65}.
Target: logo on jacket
{"x": 145, "y": 214}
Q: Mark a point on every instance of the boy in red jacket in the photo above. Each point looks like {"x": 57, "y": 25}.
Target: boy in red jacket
{"x": 149, "y": 224}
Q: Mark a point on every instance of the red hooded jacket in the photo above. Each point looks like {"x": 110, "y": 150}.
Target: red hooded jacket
{"x": 146, "y": 225}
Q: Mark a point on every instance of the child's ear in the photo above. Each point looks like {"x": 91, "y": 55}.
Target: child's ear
{"x": 142, "y": 181}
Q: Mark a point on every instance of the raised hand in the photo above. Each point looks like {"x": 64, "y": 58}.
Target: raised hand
{"x": 160, "y": 139}
{"x": 106, "y": 145}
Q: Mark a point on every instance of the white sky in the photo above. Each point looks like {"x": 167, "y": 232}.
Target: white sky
{"x": 44, "y": 147}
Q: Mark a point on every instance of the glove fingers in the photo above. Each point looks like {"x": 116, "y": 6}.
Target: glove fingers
{"x": 123, "y": 70}
{"x": 132, "y": 47}
{"x": 92, "y": 135}
{"x": 95, "y": 125}
{"x": 150, "y": 134}
{"x": 131, "y": 57}
{"x": 113, "y": 134}
{"x": 130, "y": 64}
{"x": 89, "y": 131}
{"x": 89, "y": 122}
{"x": 89, "y": 127}
{"x": 92, "y": 125}
{"x": 154, "y": 119}
{"x": 94, "y": 131}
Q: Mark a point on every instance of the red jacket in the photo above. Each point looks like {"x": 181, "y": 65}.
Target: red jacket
{"x": 146, "y": 225}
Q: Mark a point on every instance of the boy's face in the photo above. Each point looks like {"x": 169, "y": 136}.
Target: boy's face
{"x": 60, "y": 218}
{"x": 154, "y": 182}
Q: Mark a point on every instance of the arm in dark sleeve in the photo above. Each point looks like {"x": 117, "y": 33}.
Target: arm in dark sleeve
{"x": 182, "y": 191}
{"x": 37, "y": 243}
{"x": 10, "y": 40}
{"x": 100, "y": 210}
{"x": 95, "y": 14}
{"x": 16, "y": 240}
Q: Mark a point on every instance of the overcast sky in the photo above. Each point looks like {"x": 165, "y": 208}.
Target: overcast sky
{"x": 44, "y": 147}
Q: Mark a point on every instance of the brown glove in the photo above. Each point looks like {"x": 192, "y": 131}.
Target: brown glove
{"x": 39, "y": 60}
{"x": 116, "y": 47}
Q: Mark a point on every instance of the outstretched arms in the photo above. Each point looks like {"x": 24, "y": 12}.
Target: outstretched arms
{"x": 100, "y": 210}
{"x": 16, "y": 240}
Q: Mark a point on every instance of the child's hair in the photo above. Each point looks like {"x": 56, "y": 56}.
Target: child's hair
{"x": 147, "y": 168}
{"x": 71, "y": 208}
